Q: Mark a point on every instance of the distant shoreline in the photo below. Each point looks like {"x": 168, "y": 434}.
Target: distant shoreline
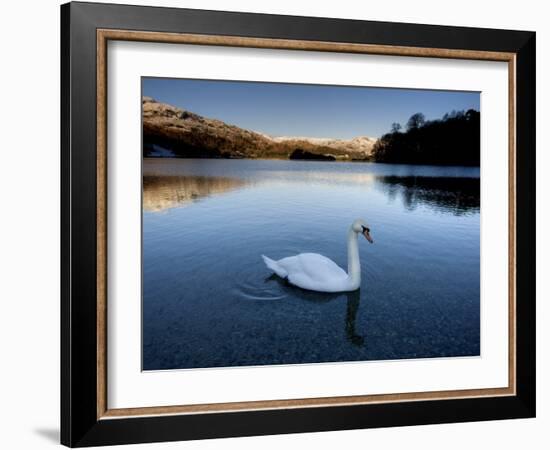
{"x": 310, "y": 160}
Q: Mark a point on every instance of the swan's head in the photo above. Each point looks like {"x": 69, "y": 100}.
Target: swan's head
{"x": 360, "y": 226}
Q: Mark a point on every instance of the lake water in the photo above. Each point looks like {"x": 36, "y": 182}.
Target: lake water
{"x": 209, "y": 300}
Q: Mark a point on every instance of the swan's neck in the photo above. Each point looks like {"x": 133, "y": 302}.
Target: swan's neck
{"x": 354, "y": 265}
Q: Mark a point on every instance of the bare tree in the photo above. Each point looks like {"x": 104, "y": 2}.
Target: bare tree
{"x": 416, "y": 121}
{"x": 395, "y": 127}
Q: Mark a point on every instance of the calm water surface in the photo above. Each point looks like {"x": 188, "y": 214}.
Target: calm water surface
{"x": 209, "y": 301}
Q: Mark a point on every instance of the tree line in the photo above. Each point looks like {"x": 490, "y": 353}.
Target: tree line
{"x": 452, "y": 140}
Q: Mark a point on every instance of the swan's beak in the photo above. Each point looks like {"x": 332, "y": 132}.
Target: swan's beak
{"x": 367, "y": 236}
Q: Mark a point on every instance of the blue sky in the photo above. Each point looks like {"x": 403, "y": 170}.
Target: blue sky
{"x": 281, "y": 109}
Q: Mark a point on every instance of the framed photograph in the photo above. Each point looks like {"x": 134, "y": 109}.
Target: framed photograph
{"x": 276, "y": 224}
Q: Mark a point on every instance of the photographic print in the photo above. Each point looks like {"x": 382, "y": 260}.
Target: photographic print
{"x": 281, "y": 232}
{"x": 298, "y": 224}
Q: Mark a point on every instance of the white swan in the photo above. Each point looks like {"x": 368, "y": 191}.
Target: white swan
{"x": 316, "y": 272}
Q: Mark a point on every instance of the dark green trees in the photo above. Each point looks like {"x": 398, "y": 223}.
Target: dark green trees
{"x": 452, "y": 140}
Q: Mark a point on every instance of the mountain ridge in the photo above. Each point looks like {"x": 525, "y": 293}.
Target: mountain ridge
{"x": 176, "y": 132}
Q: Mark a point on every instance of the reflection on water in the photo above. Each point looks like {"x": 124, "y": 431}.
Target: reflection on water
{"x": 351, "y": 314}
{"x": 209, "y": 301}
{"x": 352, "y": 304}
{"x": 454, "y": 194}
{"x": 329, "y": 177}
{"x": 163, "y": 192}
{"x": 450, "y": 194}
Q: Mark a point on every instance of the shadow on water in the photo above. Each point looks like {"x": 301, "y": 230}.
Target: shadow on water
{"x": 447, "y": 194}
{"x": 353, "y": 301}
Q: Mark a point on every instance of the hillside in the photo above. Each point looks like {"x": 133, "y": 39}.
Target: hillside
{"x": 171, "y": 131}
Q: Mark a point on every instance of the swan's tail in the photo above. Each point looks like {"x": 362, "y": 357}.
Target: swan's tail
{"x": 275, "y": 267}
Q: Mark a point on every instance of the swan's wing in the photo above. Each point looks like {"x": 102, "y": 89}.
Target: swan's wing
{"x": 314, "y": 272}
